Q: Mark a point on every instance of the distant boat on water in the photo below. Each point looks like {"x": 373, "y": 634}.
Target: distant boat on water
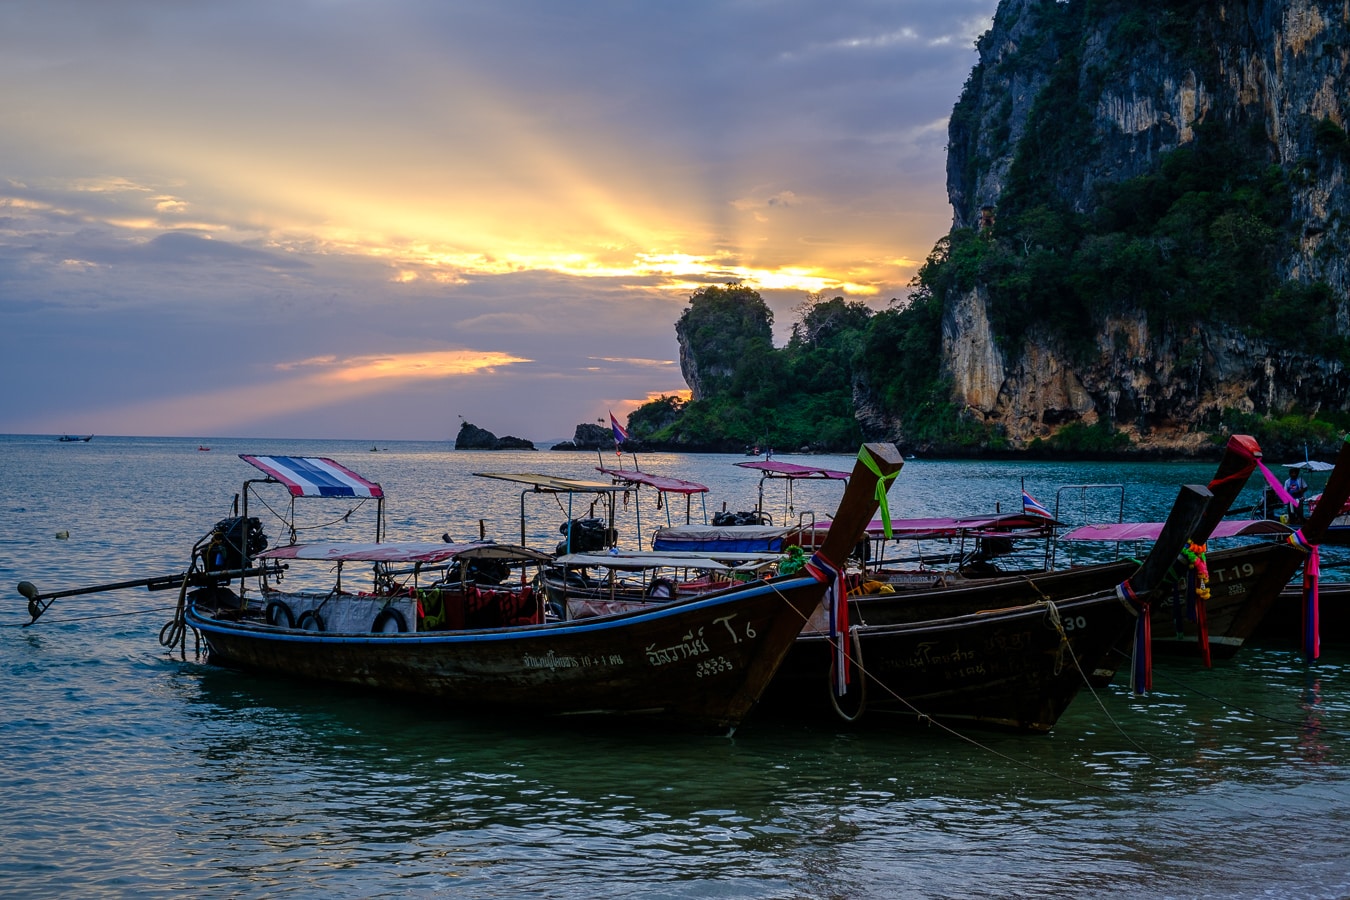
{"x": 66, "y": 438}
{"x": 203, "y": 447}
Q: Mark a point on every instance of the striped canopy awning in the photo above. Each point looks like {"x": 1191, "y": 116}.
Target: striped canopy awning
{"x": 312, "y": 476}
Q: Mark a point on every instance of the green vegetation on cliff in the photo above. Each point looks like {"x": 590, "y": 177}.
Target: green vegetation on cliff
{"x": 1104, "y": 193}
{"x": 748, "y": 393}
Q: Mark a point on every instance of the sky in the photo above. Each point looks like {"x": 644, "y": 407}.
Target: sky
{"x": 376, "y": 219}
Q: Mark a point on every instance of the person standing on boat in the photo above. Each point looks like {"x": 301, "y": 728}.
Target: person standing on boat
{"x": 1296, "y": 487}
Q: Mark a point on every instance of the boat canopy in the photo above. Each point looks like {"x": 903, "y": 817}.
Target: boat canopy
{"x": 1149, "y": 531}
{"x": 660, "y": 482}
{"x": 1009, "y": 525}
{"x": 557, "y": 485}
{"x": 312, "y": 476}
{"x": 723, "y": 539}
{"x": 1312, "y": 465}
{"x": 674, "y": 559}
{"x": 404, "y": 552}
{"x": 772, "y": 468}
{"x": 628, "y": 562}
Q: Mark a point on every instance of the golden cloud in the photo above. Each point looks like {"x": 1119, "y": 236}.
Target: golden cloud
{"x": 411, "y": 366}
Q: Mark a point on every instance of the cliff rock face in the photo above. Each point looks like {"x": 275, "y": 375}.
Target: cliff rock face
{"x": 1276, "y": 69}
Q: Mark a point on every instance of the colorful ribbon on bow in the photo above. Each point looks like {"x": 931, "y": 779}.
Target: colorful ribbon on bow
{"x": 883, "y": 485}
{"x": 1141, "y": 660}
{"x": 1312, "y": 570}
{"x": 1197, "y": 590}
{"x": 836, "y": 601}
{"x": 1275, "y": 484}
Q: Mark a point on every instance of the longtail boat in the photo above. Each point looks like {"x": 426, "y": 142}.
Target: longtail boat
{"x": 700, "y": 663}
{"x": 1015, "y": 667}
{"x": 1224, "y": 602}
{"x": 1213, "y": 613}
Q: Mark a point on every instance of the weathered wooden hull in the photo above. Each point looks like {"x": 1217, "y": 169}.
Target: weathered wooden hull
{"x": 1244, "y": 583}
{"x": 1284, "y": 622}
{"x": 1015, "y": 669}
{"x": 701, "y": 663}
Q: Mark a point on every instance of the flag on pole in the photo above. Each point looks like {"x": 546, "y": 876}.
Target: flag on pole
{"x": 620, "y": 433}
{"x": 1032, "y": 507}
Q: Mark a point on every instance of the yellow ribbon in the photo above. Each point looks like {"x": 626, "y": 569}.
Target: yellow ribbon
{"x": 883, "y": 485}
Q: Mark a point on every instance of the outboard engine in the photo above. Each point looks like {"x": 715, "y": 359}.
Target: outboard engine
{"x": 744, "y": 517}
{"x": 588, "y": 535}
{"x": 233, "y": 540}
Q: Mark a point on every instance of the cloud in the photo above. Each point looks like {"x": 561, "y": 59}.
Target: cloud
{"x": 190, "y": 194}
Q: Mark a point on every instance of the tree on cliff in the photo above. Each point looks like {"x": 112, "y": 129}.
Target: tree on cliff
{"x": 745, "y": 392}
{"x": 722, "y": 333}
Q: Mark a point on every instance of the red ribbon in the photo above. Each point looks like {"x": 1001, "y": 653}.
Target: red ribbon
{"x": 836, "y": 598}
{"x": 1312, "y": 570}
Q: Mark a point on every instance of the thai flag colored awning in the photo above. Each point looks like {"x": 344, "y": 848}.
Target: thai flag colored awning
{"x": 313, "y": 476}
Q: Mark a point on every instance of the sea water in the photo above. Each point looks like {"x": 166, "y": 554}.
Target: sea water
{"x": 130, "y": 770}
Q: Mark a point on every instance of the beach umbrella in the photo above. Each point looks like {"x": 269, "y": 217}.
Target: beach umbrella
{"x": 1312, "y": 465}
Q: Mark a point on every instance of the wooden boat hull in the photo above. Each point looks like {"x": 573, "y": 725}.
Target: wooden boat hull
{"x": 701, "y": 663}
{"x": 1014, "y": 669}
{"x": 1284, "y": 622}
{"x": 1244, "y": 583}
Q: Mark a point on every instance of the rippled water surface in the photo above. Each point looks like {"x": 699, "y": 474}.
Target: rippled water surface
{"x": 128, "y": 771}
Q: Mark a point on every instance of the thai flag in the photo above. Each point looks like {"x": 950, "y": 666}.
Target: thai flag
{"x": 620, "y": 433}
{"x": 1032, "y": 507}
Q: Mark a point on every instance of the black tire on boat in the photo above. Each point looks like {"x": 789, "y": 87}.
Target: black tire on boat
{"x": 310, "y": 620}
{"x": 389, "y": 621}
{"x": 279, "y": 613}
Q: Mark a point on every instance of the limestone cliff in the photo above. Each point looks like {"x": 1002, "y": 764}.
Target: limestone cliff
{"x": 1146, "y": 77}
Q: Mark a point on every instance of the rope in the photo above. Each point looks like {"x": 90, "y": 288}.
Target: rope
{"x": 923, "y": 718}
{"x": 291, "y": 527}
{"x": 89, "y": 618}
{"x": 1052, "y": 613}
{"x": 856, "y": 643}
{"x": 174, "y": 631}
{"x": 1294, "y": 723}
{"x": 1087, "y": 683}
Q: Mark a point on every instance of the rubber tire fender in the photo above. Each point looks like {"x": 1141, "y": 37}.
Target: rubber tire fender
{"x": 278, "y": 613}
{"x": 310, "y": 620}
{"x": 387, "y": 615}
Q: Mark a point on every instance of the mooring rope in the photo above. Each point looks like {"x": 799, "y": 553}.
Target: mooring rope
{"x": 174, "y": 631}
{"x": 856, "y": 643}
{"x": 925, "y": 719}
{"x": 89, "y": 618}
{"x": 1227, "y": 704}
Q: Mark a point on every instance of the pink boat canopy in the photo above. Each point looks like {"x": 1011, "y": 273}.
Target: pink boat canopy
{"x": 1009, "y": 525}
{"x": 1149, "y": 531}
{"x": 660, "y": 482}
{"x": 772, "y": 468}
{"x": 312, "y": 476}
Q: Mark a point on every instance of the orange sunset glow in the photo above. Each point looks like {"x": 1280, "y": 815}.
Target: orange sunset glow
{"x": 364, "y": 214}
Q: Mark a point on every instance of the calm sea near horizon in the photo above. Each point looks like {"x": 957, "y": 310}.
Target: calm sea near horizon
{"x": 126, "y": 770}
